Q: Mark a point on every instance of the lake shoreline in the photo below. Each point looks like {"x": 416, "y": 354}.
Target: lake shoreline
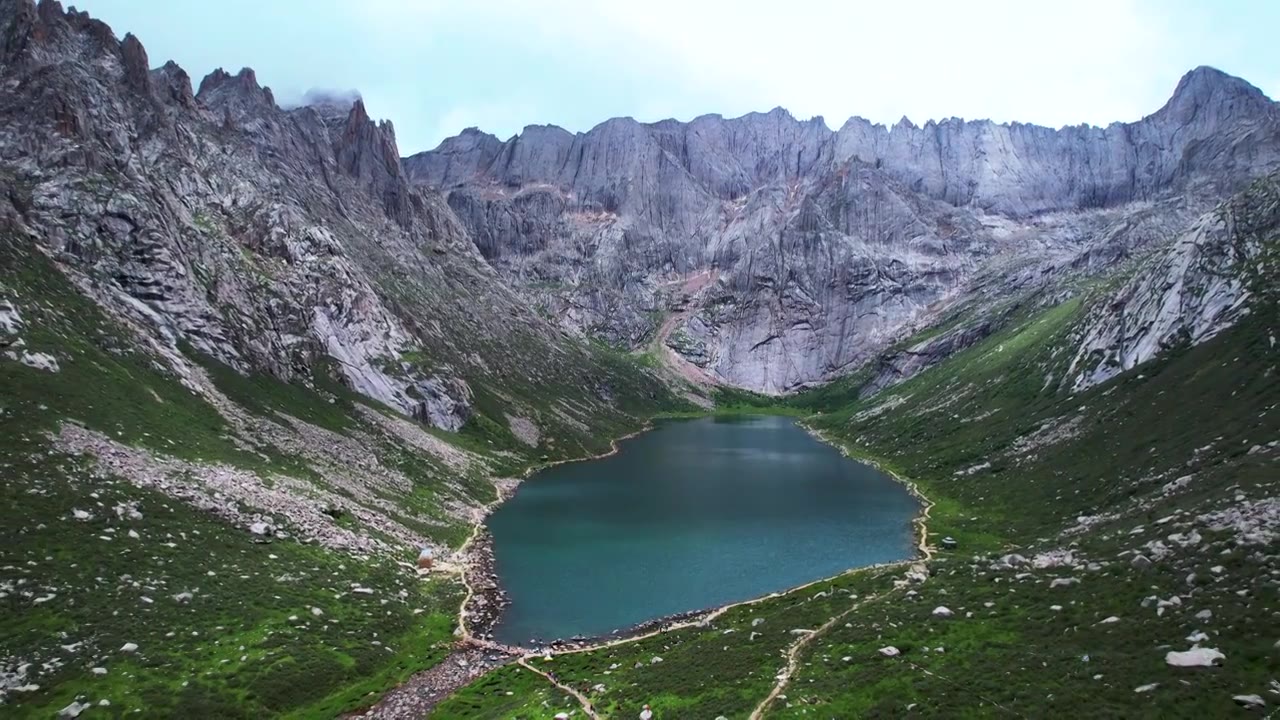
{"x": 476, "y": 554}
{"x": 476, "y": 560}
{"x": 481, "y": 564}
{"x": 920, "y": 522}
{"x": 474, "y": 653}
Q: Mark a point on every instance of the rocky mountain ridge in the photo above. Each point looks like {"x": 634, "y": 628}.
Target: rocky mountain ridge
{"x": 828, "y": 245}
{"x": 271, "y": 240}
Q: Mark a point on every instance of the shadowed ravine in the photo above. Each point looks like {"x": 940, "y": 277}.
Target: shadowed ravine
{"x": 688, "y": 516}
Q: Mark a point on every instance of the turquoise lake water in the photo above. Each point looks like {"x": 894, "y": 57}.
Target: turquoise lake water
{"x": 689, "y": 515}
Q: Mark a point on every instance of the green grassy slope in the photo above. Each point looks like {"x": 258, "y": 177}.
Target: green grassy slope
{"x": 271, "y": 627}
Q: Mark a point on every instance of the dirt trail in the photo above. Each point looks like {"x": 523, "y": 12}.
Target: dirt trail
{"x": 582, "y": 699}
{"x": 793, "y": 654}
{"x": 470, "y": 658}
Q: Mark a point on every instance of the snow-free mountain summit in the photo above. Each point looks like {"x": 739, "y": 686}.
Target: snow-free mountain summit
{"x": 826, "y": 246}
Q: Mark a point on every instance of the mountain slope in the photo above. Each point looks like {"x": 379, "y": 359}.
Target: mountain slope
{"x": 827, "y": 246}
{"x": 248, "y": 373}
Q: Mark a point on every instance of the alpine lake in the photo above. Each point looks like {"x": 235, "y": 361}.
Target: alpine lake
{"x": 690, "y": 515}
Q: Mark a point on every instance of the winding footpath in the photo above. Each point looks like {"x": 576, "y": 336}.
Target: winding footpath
{"x": 793, "y": 654}
{"x": 582, "y": 699}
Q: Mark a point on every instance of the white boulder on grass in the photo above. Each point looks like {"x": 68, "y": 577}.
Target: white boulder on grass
{"x": 890, "y": 651}
{"x": 942, "y": 611}
{"x": 73, "y": 710}
{"x": 1195, "y": 657}
{"x": 1014, "y": 560}
{"x": 1250, "y": 702}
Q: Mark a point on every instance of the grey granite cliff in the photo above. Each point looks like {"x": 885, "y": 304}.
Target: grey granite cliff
{"x": 824, "y": 246}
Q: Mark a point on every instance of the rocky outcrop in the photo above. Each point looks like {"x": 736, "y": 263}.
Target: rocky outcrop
{"x": 829, "y": 246}
{"x": 281, "y": 241}
{"x": 1186, "y": 294}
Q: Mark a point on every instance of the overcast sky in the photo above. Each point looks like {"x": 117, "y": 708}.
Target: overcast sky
{"x": 435, "y": 67}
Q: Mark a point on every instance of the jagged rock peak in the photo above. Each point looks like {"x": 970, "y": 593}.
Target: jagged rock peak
{"x": 367, "y": 150}
{"x": 137, "y": 71}
{"x": 220, "y": 86}
{"x": 46, "y": 25}
{"x": 381, "y": 136}
{"x": 1207, "y": 78}
{"x": 469, "y": 139}
{"x": 173, "y": 84}
{"x": 1211, "y": 88}
{"x": 357, "y": 115}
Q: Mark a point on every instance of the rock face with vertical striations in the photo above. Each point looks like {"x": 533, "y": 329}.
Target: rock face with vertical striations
{"x": 771, "y": 253}
{"x": 827, "y": 246}
{"x": 281, "y": 241}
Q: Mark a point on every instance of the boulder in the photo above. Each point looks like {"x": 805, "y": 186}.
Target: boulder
{"x": 1250, "y": 702}
{"x": 1195, "y": 657}
{"x": 73, "y": 710}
